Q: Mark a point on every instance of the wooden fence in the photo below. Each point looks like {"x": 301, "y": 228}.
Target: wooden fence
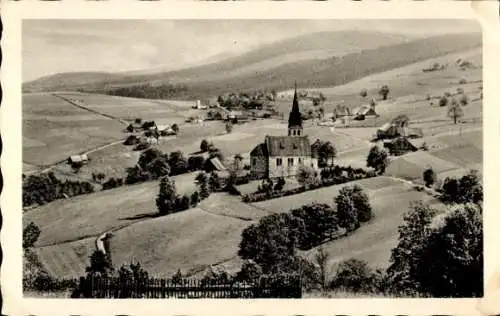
{"x": 102, "y": 287}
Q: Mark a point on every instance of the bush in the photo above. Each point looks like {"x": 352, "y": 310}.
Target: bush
{"x": 306, "y": 176}
{"x": 112, "y": 183}
{"x": 462, "y": 81}
{"x": 330, "y": 176}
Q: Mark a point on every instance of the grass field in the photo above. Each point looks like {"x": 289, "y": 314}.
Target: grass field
{"x": 322, "y": 195}
{"x": 375, "y": 239}
{"x": 53, "y": 129}
{"x": 189, "y": 241}
{"x": 91, "y": 214}
{"x": 67, "y": 260}
{"x": 131, "y": 108}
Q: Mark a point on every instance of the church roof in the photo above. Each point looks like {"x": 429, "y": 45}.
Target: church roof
{"x": 295, "y": 118}
{"x": 288, "y": 146}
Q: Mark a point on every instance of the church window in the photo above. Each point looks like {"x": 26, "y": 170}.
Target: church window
{"x": 300, "y": 161}
{"x": 279, "y": 161}
{"x": 290, "y": 161}
{"x": 298, "y": 132}
{"x": 254, "y": 161}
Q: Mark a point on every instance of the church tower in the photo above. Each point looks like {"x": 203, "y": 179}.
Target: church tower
{"x": 295, "y": 118}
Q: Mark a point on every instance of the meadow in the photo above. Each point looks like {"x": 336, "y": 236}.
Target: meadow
{"x": 53, "y": 129}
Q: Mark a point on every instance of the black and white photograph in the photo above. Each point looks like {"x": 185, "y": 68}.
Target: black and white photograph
{"x": 294, "y": 158}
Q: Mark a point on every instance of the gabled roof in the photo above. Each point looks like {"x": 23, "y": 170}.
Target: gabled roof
{"x": 260, "y": 151}
{"x": 288, "y": 146}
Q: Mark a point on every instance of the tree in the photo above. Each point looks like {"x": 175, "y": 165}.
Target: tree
{"x": 148, "y": 156}
{"x": 347, "y": 213}
{"x": 363, "y": 93}
{"x": 443, "y": 101}
{"x": 166, "y": 200}
{"x": 322, "y": 97}
{"x": 195, "y": 163}
{"x": 175, "y": 128}
{"x": 377, "y": 159}
{"x": 137, "y": 174}
{"x": 471, "y": 188}
{"x": 271, "y": 241}
{"x": 455, "y": 112}
{"x": 204, "y": 145}
{"x": 458, "y": 270}
{"x": 464, "y": 100}
{"x": 30, "y": 235}
{"x": 177, "y": 277}
{"x": 220, "y": 100}
{"x": 250, "y": 272}
{"x": 384, "y": 91}
{"x": 320, "y": 222}
{"x": 214, "y": 182}
{"x": 229, "y": 127}
{"x": 361, "y": 203}
{"x": 202, "y": 182}
{"x": 99, "y": 264}
{"x": 177, "y": 162}
{"x": 321, "y": 259}
{"x": 406, "y": 255}
{"x": 306, "y": 176}
{"x": 353, "y": 275}
{"x": 429, "y": 177}
{"x": 195, "y": 199}
{"x": 159, "y": 167}
{"x": 326, "y": 153}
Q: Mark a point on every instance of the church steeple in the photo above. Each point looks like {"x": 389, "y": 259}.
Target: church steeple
{"x": 295, "y": 118}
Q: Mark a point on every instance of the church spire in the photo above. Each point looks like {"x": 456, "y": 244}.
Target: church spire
{"x": 295, "y": 118}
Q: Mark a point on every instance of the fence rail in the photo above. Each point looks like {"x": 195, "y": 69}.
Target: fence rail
{"x": 105, "y": 287}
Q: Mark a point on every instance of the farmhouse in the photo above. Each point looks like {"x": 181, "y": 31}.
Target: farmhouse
{"x": 83, "y": 159}
{"x": 399, "y": 146}
{"x": 365, "y": 110}
{"x": 281, "y": 156}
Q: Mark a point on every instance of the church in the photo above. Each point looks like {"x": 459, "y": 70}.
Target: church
{"x": 281, "y": 156}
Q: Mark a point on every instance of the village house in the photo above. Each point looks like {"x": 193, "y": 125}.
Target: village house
{"x": 399, "y": 146}
{"x": 281, "y": 156}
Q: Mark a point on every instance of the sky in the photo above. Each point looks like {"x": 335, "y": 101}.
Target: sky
{"x": 55, "y": 46}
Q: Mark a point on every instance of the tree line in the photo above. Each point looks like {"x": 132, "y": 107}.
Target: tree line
{"x": 46, "y": 187}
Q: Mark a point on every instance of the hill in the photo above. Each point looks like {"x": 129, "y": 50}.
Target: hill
{"x": 317, "y": 60}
